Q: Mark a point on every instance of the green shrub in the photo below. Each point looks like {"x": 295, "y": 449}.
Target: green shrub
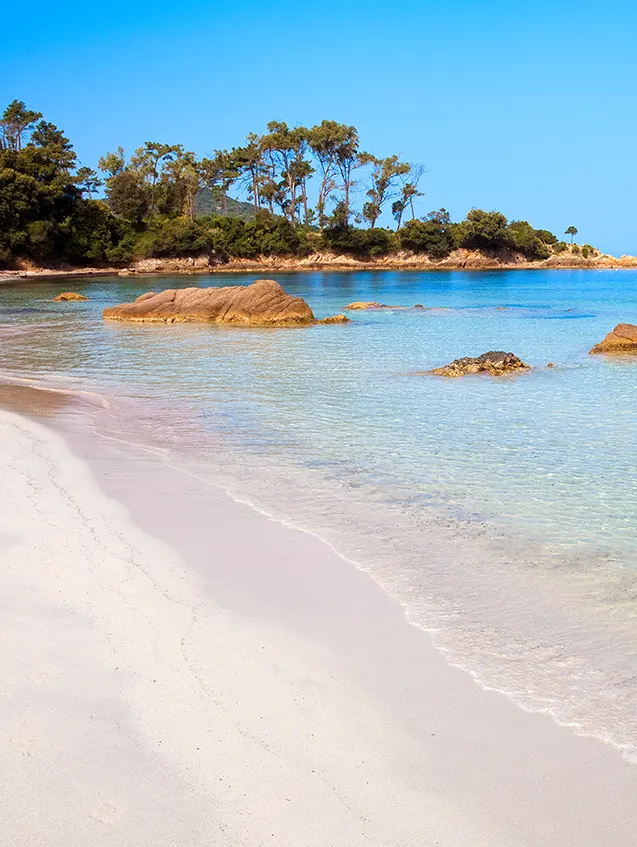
{"x": 485, "y": 231}
{"x": 5, "y": 257}
{"x": 434, "y": 235}
{"x": 526, "y": 240}
{"x": 179, "y": 237}
{"x": 92, "y": 234}
{"x": 546, "y": 237}
{"x": 363, "y": 243}
{"x": 226, "y": 237}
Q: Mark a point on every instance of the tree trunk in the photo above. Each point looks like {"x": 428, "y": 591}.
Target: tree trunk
{"x": 304, "y": 189}
{"x": 292, "y": 184}
{"x": 255, "y": 189}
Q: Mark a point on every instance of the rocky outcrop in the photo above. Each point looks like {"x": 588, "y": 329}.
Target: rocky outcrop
{"x": 336, "y": 319}
{"x": 494, "y": 362}
{"x": 360, "y": 306}
{"x": 404, "y": 259}
{"x": 264, "y": 303}
{"x": 188, "y": 265}
{"x": 401, "y": 260}
{"x": 623, "y": 339}
{"x": 68, "y": 295}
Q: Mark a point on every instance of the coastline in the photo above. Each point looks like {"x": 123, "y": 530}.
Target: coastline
{"x": 268, "y": 690}
{"x": 460, "y": 260}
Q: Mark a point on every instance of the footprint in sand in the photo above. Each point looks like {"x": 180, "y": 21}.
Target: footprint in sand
{"x": 28, "y": 736}
{"x": 25, "y": 745}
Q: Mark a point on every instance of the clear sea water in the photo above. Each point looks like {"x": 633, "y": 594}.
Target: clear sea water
{"x": 502, "y": 514}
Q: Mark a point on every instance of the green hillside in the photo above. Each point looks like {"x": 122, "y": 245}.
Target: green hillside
{"x": 208, "y": 202}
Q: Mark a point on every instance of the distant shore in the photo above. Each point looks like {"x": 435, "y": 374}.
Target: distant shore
{"x": 459, "y": 260}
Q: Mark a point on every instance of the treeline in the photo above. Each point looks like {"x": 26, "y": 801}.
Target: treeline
{"x": 310, "y": 189}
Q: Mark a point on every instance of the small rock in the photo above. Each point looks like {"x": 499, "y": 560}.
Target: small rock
{"x": 358, "y": 305}
{"x": 336, "y": 319}
{"x": 494, "y": 362}
{"x": 68, "y": 295}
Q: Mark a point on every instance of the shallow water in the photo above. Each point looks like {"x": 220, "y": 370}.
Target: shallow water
{"x": 501, "y": 513}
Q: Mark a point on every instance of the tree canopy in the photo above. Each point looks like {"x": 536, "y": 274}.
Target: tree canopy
{"x": 304, "y": 188}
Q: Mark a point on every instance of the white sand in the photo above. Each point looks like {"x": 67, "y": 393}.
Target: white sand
{"x": 253, "y": 689}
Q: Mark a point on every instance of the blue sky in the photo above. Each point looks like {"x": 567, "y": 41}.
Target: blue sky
{"x": 527, "y": 108}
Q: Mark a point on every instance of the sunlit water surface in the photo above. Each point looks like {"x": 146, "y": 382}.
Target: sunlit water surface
{"x": 502, "y": 514}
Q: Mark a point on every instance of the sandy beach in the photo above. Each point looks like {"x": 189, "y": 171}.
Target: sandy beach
{"x": 179, "y": 669}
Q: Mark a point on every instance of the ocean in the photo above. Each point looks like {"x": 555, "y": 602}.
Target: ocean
{"x": 500, "y": 513}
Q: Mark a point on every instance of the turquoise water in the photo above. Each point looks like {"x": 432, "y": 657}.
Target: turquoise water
{"x": 502, "y": 514}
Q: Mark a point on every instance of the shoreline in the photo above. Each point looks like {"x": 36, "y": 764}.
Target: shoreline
{"x": 469, "y": 261}
{"x": 337, "y": 697}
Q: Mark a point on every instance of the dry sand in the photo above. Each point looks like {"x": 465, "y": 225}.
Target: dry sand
{"x": 177, "y": 669}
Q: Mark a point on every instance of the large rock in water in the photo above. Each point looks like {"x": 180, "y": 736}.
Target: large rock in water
{"x": 264, "y": 303}
{"x": 623, "y": 339}
{"x": 494, "y": 362}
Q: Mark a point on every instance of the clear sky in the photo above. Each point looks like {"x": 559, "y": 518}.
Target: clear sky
{"x": 528, "y": 108}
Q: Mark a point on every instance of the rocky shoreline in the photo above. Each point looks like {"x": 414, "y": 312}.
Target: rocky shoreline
{"x": 458, "y": 260}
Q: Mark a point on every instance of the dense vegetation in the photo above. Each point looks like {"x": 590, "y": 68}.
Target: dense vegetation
{"x": 301, "y": 185}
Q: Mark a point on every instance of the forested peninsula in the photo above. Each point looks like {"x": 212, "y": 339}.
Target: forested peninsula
{"x": 313, "y": 198}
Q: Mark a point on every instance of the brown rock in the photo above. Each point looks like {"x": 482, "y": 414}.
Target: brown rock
{"x": 550, "y": 365}
{"x": 68, "y": 295}
{"x": 359, "y": 306}
{"x": 336, "y": 319}
{"x": 494, "y": 362}
{"x": 623, "y": 339}
{"x": 264, "y": 303}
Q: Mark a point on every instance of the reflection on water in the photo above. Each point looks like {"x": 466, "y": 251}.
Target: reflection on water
{"x": 500, "y": 513}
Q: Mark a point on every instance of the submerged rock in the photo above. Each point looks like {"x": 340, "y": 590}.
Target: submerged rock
{"x": 623, "y": 339}
{"x": 494, "y": 362}
{"x": 264, "y": 303}
{"x": 68, "y": 295}
{"x": 336, "y": 319}
{"x": 359, "y": 306}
